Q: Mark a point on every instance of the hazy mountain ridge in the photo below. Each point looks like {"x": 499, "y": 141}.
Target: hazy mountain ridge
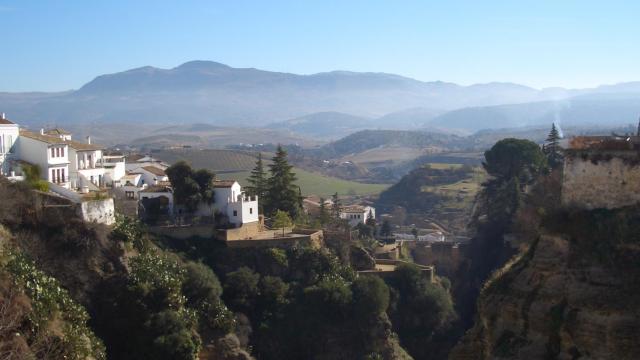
{"x": 214, "y": 93}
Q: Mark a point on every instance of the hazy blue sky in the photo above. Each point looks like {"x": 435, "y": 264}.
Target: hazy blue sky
{"x": 58, "y": 45}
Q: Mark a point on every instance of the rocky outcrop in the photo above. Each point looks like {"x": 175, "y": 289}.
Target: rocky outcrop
{"x": 561, "y": 300}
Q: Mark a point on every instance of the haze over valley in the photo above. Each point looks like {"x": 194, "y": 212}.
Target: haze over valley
{"x": 318, "y": 107}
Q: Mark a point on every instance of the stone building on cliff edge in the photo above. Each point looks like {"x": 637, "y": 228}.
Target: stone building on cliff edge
{"x": 601, "y": 172}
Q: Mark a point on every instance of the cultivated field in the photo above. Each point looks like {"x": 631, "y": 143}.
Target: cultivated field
{"x": 317, "y": 184}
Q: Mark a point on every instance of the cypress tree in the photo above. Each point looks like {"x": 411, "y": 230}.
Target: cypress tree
{"x": 258, "y": 182}
{"x": 551, "y": 148}
{"x": 335, "y": 208}
{"x": 324, "y": 216}
{"x": 283, "y": 193}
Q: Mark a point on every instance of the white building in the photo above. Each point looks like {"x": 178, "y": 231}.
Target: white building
{"x": 49, "y": 153}
{"x": 85, "y": 164}
{"x": 151, "y": 175}
{"x": 9, "y": 133}
{"x": 114, "y": 169}
{"x": 357, "y": 214}
{"x": 134, "y": 162}
{"x": 230, "y": 200}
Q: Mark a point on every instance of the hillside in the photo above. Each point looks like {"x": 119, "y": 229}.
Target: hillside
{"x": 573, "y": 294}
{"x": 324, "y": 125}
{"x": 214, "y": 93}
{"x": 586, "y": 110}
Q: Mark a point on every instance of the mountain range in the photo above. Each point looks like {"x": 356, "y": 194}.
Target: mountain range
{"x": 324, "y": 105}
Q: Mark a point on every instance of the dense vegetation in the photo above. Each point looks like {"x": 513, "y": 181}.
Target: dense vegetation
{"x": 408, "y": 192}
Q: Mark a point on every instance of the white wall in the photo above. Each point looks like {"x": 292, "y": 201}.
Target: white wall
{"x": 358, "y": 217}
{"x": 100, "y": 211}
{"x": 38, "y": 153}
{"x": 8, "y": 136}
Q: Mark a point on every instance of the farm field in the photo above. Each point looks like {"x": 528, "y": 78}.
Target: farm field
{"x": 212, "y": 159}
{"x": 316, "y": 184}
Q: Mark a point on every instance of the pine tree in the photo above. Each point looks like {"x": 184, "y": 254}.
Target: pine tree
{"x": 551, "y": 148}
{"x": 258, "y": 182}
{"x": 324, "y": 216}
{"x": 282, "y": 192}
{"x": 335, "y": 207}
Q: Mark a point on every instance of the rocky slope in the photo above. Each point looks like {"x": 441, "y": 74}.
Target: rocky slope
{"x": 573, "y": 294}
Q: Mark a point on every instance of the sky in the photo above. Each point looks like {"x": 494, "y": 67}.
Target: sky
{"x": 61, "y": 45}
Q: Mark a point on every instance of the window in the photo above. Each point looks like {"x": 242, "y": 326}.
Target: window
{"x": 53, "y": 152}
{"x": 250, "y": 210}
{"x": 57, "y": 175}
{"x": 9, "y": 144}
{"x": 235, "y": 212}
{"x": 53, "y": 174}
{"x": 62, "y": 175}
{"x": 62, "y": 152}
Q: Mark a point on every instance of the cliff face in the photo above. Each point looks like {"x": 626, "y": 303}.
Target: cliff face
{"x": 564, "y": 298}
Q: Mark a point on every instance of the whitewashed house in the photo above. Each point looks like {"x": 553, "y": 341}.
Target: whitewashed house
{"x": 151, "y": 175}
{"x": 9, "y": 133}
{"x": 357, "y": 214}
{"x": 134, "y": 162}
{"x": 114, "y": 168}
{"x": 49, "y": 153}
{"x": 230, "y": 200}
{"x": 85, "y": 165}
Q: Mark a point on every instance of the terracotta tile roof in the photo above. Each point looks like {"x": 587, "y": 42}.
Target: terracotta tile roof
{"x": 57, "y": 132}
{"x": 223, "y": 183}
{"x": 154, "y": 170}
{"x": 6, "y": 122}
{"x": 83, "y": 146}
{"x": 55, "y": 140}
{"x": 156, "y": 189}
{"x": 353, "y": 208}
{"x": 44, "y": 138}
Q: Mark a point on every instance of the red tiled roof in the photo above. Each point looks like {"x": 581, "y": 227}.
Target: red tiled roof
{"x": 154, "y": 170}
{"x": 6, "y": 122}
{"x": 223, "y": 183}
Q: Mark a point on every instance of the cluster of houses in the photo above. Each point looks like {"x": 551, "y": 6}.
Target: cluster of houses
{"x": 77, "y": 169}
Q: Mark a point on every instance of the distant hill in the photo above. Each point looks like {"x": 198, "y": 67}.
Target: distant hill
{"x": 328, "y": 125}
{"x": 604, "y": 109}
{"x": 214, "y": 93}
{"x": 371, "y": 139}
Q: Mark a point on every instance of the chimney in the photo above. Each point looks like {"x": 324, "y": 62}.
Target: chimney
{"x": 89, "y": 140}
{"x": 3, "y": 116}
{"x": 42, "y": 131}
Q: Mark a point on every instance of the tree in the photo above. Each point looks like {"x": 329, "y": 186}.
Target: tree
{"x": 514, "y": 158}
{"x": 385, "y": 230}
{"x": 324, "y": 216}
{"x": 258, "y": 181}
{"x": 204, "y": 178}
{"x": 190, "y": 187}
{"x": 241, "y": 289}
{"x": 335, "y": 207}
{"x": 282, "y": 191}
{"x": 552, "y": 148}
{"x": 282, "y": 220}
{"x": 370, "y": 296}
{"x": 32, "y": 175}
{"x": 186, "y": 190}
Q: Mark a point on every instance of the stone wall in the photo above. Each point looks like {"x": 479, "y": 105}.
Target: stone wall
{"x": 602, "y": 179}
{"x": 445, "y": 256}
{"x": 100, "y": 211}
